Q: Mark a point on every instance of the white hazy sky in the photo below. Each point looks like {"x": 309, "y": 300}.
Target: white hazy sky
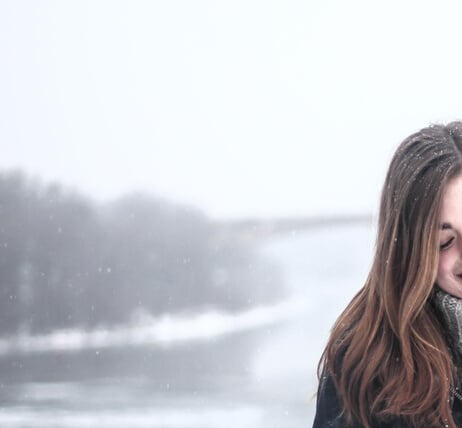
{"x": 242, "y": 108}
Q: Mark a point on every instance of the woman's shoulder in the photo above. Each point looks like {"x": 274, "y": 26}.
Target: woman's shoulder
{"x": 328, "y": 404}
{"x": 329, "y": 409}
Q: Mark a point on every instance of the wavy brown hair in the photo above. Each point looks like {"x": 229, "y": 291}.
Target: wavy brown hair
{"x": 388, "y": 354}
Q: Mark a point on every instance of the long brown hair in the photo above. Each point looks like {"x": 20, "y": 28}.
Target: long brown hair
{"x": 387, "y": 354}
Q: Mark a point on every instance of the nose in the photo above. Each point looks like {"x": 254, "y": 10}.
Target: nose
{"x": 459, "y": 246}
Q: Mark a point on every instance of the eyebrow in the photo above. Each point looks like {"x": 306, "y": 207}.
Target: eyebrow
{"x": 445, "y": 226}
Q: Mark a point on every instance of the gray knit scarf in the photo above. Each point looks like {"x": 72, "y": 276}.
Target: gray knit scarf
{"x": 450, "y": 310}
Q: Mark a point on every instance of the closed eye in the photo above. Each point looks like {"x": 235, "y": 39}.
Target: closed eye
{"x": 447, "y": 244}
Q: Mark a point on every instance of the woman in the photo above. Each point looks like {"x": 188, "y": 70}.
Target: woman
{"x": 394, "y": 357}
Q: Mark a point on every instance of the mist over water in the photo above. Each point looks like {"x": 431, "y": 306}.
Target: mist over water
{"x": 251, "y": 368}
{"x": 325, "y": 267}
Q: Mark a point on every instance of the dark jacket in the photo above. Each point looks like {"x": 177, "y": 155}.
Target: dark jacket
{"x": 328, "y": 408}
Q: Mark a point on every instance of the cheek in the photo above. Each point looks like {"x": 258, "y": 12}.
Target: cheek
{"x": 448, "y": 268}
{"x": 445, "y": 264}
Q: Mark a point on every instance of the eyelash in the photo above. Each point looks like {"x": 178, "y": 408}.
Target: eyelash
{"x": 447, "y": 244}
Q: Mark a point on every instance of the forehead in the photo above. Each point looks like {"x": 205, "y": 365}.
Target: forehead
{"x": 451, "y": 209}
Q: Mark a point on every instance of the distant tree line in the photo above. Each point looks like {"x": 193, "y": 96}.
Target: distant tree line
{"x": 66, "y": 261}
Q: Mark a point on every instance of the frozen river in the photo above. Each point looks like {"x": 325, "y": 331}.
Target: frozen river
{"x": 322, "y": 267}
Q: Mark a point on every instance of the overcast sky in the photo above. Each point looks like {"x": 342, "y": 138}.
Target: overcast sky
{"x": 242, "y": 108}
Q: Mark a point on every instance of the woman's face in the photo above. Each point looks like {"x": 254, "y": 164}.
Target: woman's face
{"x": 449, "y": 276}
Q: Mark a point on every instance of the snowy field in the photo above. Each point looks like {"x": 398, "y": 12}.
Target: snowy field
{"x": 323, "y": 268}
